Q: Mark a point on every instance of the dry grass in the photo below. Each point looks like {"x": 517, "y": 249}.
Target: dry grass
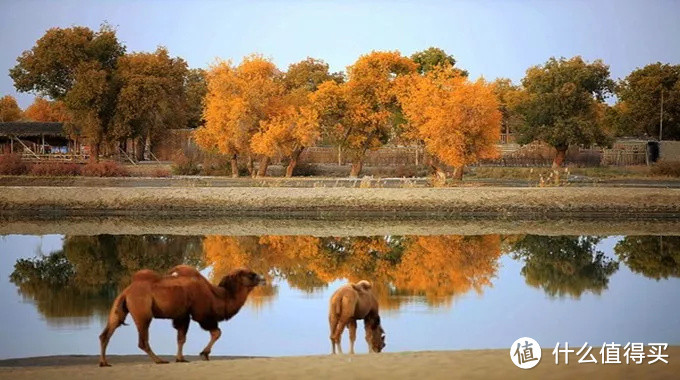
{"x": 666, "y": 169}
{"x": 536, "y": 173}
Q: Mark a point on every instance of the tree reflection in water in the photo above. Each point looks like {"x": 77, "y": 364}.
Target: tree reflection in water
{"x": 82, "y": 279}
{"x": 656, "y": 257}
{"x": 564, "y": 265}
{"x": 437, "y": 268}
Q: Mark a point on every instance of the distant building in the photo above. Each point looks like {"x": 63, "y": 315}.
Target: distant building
{"x": 34, "y": 138}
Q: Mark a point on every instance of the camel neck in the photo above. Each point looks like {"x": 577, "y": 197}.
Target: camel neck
{"x": 233, "y": 304}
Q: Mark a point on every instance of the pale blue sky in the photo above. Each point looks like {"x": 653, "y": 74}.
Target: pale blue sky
{"x": 489, "y": 38}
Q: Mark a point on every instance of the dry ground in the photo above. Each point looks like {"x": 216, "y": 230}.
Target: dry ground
{"x": 611, "y": 202}
{"x": 478, "y": 364}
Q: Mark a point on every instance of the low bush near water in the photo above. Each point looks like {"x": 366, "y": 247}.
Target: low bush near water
{"x": 104, "y": 169}
{"x": 12, "y": 164}
{"x": 670, "y": 169}
{"x": 184, "y": 164}
{"x": 55, "y": 169}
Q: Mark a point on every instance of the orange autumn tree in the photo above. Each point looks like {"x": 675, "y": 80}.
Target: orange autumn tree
{"x": 9, "y": 109}
{"x": 46, "y": 111}
{"x": 287, "y": 134}
{"x": 238, "y": 100}
{"x": 296, "y": 126}
{"x": 457, "y": 120}
{"x": 360, "y": 114}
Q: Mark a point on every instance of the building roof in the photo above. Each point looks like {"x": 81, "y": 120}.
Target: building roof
{"x": 30, "y": 128}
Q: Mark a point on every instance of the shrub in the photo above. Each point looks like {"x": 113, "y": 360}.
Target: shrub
{"x": 12, "y": 164}
{"x": 104, "y": 169}
{"x": 216, "y": 164}
{"x": 55, "y": 169}
{"x": 305, "y": 170}
{"x": 185, "y": 164}
{"x": 666, "y": 168}
{"x": 161, "y": 172}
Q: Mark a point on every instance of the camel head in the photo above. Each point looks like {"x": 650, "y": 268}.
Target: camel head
{"x": 375, "y": 335}
{"x": 241, "y": 278}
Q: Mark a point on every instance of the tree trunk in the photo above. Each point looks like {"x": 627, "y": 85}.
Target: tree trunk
{"x": 262, "y": 170}
{"x": 356, "y": 168}
{"x": 438, "y": 169}
{"x": 339, "y": 155}
{"x": 250, "y": 167}
{"x": 559, "y": 157}
{"x": 458, "y": 172}
{"x": 147, "y": 147}
{"x": 293, "y": 162}
{"x": 94, "y": 152}
{"x": 234, "y": 166}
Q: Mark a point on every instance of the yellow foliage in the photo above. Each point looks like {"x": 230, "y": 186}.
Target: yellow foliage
{"x": 238, "y": 99}
{"x": 358, "y": 114}
{"x": 293, "y": 129}
{"x": 46, "y": 111}
{"x": 458, "y": 120}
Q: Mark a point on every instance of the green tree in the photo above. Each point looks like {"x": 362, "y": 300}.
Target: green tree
{"x": 655, "y": 257}
{"x": 92, "y": 105}
{"x": 431, "y": 57}
{"x": 9, "y": 109}
{"x": 195, "y": 88}
{"x": 564, "y": 265}
{"x": 308, "y": 74}
{"x": 640, "y": 97}
{"x": 151, "y": 99}
{"x": 564, "y": 104}
{"x": 51, "y": 66}
{"x": 508, "y": 96}
{"x": 75, "y": 65}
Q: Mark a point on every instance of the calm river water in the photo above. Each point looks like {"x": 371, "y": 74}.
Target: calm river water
{"x": 436, "y": 292}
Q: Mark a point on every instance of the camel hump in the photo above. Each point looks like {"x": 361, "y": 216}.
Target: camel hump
{"x": 145, "y": 275}
{"x": 184, "y": 270}
{"x": 362, "y": 285}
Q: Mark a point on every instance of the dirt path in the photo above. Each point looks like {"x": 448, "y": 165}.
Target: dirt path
{"x": 463, "y": 201}
{"x": 479, "y": 364}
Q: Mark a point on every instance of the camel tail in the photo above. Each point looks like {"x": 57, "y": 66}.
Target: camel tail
{"x": 118, "y": 311}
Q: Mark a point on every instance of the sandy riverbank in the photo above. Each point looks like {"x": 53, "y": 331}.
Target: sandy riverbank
{"x": 464, "y": 201}
{"x": 481, "y": 364}
{"x": 310, "y": 226}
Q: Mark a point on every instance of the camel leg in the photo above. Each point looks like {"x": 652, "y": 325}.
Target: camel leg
{"x": 116, "y": 318}
{"x": 143, "y": 329}
{"x": 215, "y": 334}
{"x": 182, "y": 326}
{"x": 337, "y": 334}
{"x": 352, "y": 327}
{"x": 332, "y": 321}
{"x": 104, "y": 338}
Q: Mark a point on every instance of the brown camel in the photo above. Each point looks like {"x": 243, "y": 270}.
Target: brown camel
{"x": 181, "y": 295}
{"x": 350, "y": 303}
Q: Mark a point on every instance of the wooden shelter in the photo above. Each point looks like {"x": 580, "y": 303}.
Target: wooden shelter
{"x": 37, "y": 140}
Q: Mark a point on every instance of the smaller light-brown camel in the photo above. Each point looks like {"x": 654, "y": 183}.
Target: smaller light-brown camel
{"x": 181, "y": 295}
{"x": 348, "y": 304}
